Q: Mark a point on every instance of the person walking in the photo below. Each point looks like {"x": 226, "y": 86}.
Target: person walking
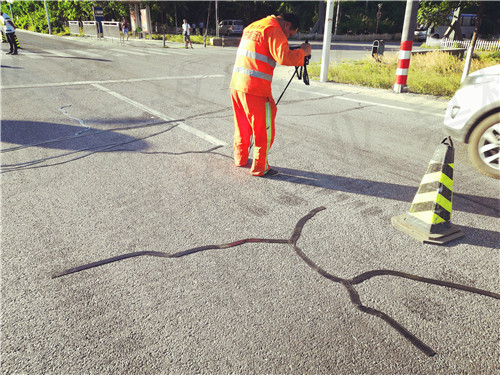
{"x": 10, "y": 30}
{"x": 125, "y": 27}
{"x": 201, "y": 28}
{"x": 186, "y": 32}
{"x": 263, "y": 44}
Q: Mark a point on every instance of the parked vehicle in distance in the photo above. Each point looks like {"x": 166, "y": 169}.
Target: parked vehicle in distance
{"x": 420, "y": 34}
{"x": 473, "y": 117}
{"x": 231, "y": 27}
{"x": 467, "y": 23}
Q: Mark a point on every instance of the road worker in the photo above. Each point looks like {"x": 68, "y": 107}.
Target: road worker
{"x": 263, "y": 44}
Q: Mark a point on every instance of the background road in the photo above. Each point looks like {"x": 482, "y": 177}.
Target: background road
{"x": 109, "y": 150}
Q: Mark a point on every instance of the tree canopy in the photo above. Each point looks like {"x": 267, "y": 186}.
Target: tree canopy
{"x": 357, "y": 17}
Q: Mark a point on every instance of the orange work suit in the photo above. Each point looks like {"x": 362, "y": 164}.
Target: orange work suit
{"x": 262, "y": 45}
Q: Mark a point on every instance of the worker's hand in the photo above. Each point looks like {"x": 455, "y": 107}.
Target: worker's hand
{"x": 307, "y": 48}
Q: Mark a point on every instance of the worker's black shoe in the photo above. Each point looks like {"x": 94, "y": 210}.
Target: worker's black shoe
{"x": 271, "y": 173}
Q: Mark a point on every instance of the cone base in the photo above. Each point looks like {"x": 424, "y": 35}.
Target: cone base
{"x": 453, "y": 233}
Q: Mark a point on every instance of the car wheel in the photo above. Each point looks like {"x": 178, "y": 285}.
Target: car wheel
{"x": 484, "y": 146}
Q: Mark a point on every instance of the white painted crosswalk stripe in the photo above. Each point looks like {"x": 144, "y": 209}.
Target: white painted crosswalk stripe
{"x": 57, "y": 53}
{"x": 120, "y": 52}
{"x": 123, "y": 50}
{"x": 86, "y": 53}
{"x": 32, "y": 55}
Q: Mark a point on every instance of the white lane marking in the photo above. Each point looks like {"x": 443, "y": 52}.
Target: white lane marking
{"x": 372, "y": 103}
{"x": 58, "y": 53}
{"x": 123, "y": 50}
{"x": 154, "y": 112}
{"x": 86, "y": 53}
{"x": 31, "y": 55}
{"x": 156, "y": 52}
{"x": 56, "y": 84}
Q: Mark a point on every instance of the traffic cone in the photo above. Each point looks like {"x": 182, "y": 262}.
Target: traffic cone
{"x": 17, "y": 42}
{"x": 429, "y": 218}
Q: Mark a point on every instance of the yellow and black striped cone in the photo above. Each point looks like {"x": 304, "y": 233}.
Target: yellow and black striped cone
{"x": 17, "y": 42}
{"x": 429, "y": 219}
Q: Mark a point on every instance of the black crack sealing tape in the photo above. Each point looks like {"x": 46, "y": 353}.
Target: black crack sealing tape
{"x": 347, "y": 283}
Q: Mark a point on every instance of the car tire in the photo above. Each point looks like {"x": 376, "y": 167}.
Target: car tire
{"x": 484, "y": 146}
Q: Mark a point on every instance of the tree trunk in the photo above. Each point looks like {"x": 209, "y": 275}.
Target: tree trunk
{"x": 319, "y": 26}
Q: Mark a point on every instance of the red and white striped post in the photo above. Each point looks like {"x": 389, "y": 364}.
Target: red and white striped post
{"x": 406, "y": 46}
{"x": 403, "y": 65}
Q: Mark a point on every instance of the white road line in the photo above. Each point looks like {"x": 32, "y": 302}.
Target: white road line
{"x": 178, "y": 51}
{"x": 31, "y": 55}
{"x": 372, "y": 103}
{"x": 129, "y": 51}
{"x": 58, "y": 53}
{"x": 87, "y": 53}
{"x": 154, "y": 112}
{"x": 57, "y": 84}
{"x": 156, "y": 52}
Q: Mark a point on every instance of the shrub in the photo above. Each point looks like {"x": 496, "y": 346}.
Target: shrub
{"x": 433, "y": 73}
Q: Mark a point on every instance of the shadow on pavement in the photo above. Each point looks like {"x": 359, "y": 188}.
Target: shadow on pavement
{"x": 462, "y": 202}
{"x": 63, "y": 137}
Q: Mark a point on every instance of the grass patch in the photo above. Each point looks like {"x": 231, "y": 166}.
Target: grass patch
{"x": 433, "y": 73}
{"x": 195, "y": 39}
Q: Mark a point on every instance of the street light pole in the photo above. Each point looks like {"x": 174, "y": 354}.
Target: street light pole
{"x": 48, "y": 19}
{"x": 216, "y": 19}
{"x": 379, "y": 14}
{"x": 327, "y": 40}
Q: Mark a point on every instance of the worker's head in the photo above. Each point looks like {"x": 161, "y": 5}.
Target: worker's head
{"x": 289, "y": 23}
{"x": 184, "y": 20}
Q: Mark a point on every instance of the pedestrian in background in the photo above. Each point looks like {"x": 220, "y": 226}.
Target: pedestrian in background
{"x": 10, "y": 30}
{"x": 201, "y": 28}
{"x": 263, "y": 44}
{"x": 186, "y": 32}
{"x": 125, "y": 27}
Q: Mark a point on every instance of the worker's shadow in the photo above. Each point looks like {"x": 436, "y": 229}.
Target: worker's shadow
{"x": 461, "y": 202}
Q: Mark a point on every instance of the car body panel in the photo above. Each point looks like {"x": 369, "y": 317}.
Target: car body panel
{"x": 478, "y": 97}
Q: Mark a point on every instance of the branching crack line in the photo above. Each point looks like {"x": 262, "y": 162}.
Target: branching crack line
{"x": 347, "y": 283}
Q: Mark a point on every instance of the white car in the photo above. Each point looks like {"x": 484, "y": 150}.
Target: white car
{"x": 231, "y": 27}
{"x": 473, "y": 117}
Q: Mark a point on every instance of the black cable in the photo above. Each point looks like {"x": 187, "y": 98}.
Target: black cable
{"x": 301, "y": 72}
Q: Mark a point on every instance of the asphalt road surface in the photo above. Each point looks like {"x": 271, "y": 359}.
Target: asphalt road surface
{"x": 109, "y": 150}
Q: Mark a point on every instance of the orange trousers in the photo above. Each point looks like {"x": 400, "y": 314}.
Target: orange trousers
{"x": 253, "y": 115}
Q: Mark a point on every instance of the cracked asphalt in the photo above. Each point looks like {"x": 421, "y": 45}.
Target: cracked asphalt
{"x": 129, "y": 152}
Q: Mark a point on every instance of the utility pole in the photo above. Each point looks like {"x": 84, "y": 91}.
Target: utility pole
{"x": 337, "y": 19}
{"x": 327, "y": 40}
{"x": 470, "y": 50}
{"x": 11, "y": 16}
{"x": 216, "y": 19}
{"x": 406, "y": 46}
{"x": 47, "y": 14}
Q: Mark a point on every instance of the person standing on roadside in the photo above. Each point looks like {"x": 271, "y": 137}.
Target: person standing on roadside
{"x": 10, "y": 30}
{"x": 125, "y": 27}
{"x": 186, "y": 32}
{"x": 263, "y": 44}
